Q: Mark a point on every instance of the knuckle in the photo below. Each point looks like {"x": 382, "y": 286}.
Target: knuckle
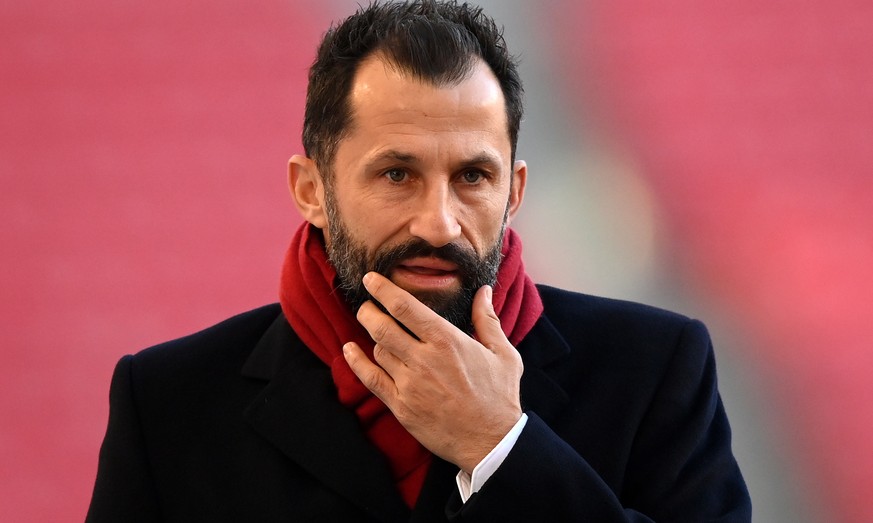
{"x": 439, "y": 338}
{"x": 516, "y": 359}
{"x": 379, "y": 353}
{"x": 515, "y": 362}
{"x": 425, "y": 369}
{"x": 401, "y": 308}
{"x": 402, "y": 413}
{"x": 373, "y": 380}
{"x": 380, "y": 331}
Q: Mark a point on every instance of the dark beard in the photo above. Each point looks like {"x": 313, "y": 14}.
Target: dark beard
{"x": 351, "y": 262}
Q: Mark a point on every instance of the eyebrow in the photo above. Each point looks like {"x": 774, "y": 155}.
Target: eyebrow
{"x": 483, "y": 158}
{"x": 393, "y": 155}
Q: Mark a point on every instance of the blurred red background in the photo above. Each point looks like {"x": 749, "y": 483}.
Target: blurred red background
{"x": 142, "y": 196}
{"x": 753, "y": 122}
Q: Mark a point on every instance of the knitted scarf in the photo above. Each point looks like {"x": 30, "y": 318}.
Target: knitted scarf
{"x": 318, "y": 313}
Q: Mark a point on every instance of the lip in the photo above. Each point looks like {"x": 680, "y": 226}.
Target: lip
{"x": 426, "y": 274}
{"x": 428, "y": 263}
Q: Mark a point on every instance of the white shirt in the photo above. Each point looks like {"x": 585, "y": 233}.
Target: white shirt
{"x": 468, "y": 484}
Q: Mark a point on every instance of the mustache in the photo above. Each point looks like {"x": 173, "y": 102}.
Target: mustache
{"x": 456, "y": 308}
{"x": 385, "y": 261}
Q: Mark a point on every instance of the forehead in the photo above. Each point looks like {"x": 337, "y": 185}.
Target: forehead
{"x": 391, "y": 103}
{"x": 377, "y": 74}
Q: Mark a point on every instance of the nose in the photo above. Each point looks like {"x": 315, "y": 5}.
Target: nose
{"x": 434, "y": 217}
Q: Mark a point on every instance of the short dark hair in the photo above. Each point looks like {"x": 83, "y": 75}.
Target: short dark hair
{"x": 436, "y": 41}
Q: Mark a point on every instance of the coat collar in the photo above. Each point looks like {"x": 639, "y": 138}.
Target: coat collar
{"x": 298, "y": 412}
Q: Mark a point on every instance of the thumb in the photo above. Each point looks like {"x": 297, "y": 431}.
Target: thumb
{"x": 486, "y": 322}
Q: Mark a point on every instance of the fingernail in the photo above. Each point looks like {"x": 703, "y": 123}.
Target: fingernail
{"x": 489, "y": 292}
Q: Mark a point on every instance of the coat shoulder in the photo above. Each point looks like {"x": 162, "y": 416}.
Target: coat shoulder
{"x": 226, "y": 343}
{"x": 563, "y": 307}
{"x": 619, "y": 332}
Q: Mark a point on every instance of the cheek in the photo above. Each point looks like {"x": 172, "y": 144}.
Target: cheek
{"x": 485, "y": 223}
{"x": 373, "y": 225}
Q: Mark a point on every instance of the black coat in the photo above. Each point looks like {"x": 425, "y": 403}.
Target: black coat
{"x": 240, "y": 422}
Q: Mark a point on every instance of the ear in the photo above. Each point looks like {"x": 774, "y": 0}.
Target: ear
{"x": 307, "y": 190}
{"x": 516, "y": 191}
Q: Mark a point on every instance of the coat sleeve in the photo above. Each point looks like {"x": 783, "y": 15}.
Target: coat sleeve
{"x": 124, "y": 490}
{"x": 680, "y": 466}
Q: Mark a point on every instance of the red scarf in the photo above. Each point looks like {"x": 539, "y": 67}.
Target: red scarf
{"x": 318, "y": 313}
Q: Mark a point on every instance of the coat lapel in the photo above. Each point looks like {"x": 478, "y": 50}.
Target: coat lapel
{"x": 543, "y": 346}
{"x": 299, "y": 413}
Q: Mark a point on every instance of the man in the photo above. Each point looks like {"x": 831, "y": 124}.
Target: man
{"x": 412, "y": 371}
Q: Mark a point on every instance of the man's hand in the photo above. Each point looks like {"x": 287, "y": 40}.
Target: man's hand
{"x": 457, "y": 396}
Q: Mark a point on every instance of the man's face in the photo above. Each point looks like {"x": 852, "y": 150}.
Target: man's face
{"x": 422, "y": 187}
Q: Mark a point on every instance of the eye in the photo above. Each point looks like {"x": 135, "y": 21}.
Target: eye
{"x": 472, "y": 177}
{"x": 396, "y": 175}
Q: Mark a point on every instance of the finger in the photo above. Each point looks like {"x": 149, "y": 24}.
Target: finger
{"x": 385, "y": 331}
{"x": 388, "y": 361}
{"x": 374, "y": 377}
{"x": 403, "y": 306}
{"x": 486, "y": 322}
